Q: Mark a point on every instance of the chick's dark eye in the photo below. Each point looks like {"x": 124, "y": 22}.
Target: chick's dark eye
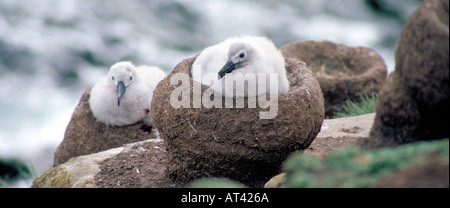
{"x": 241, "y": 55}
{"x": 131, "y": 78}
{"x": 113, "y": 78}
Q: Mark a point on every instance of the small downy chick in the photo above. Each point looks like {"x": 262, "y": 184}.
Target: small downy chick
{"x": 241, "y": 55}
{"x": 124, "y": 95}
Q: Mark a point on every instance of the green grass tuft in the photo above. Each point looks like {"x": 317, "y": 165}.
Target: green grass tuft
{"x": 366, "y": 105}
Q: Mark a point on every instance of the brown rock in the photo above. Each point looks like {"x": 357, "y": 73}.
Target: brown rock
{"x": 135, "y": 165}
{"x": 344, "y": 73}
{"x": 84, "y": 135}
{"x": 414, "y": 103}
{"x": 143, "y": 165}
{"x": 234, "y": 142}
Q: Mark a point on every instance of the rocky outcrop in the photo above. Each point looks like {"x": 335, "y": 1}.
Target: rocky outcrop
{"x": 143, "y": 164}
{"x": 78, "y": 172}
{"x": 344, "y": 73}
{"x": 413, "y": 104}
{"x": 234, "y": 142}
{"x": 140, "y": 164}
{"x": 84, "y": 135}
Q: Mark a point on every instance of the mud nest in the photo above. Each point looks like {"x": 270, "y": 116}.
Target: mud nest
{"x": 233, "y": 142}
{"x": 344, "y": 73}
{"x": 84, "y": 135}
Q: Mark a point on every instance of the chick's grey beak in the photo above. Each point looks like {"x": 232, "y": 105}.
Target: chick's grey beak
{"x": 120, "y": 91}
{"x": 229, "y": 66}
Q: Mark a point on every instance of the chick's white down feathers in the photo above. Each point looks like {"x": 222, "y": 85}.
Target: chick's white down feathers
{"x": 246, "y": 55}
{"x": 139, "y": 84}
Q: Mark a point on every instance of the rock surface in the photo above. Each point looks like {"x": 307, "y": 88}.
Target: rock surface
{"x": 344, "y": 73}
{"x": 339, "y": 133}
{"x": 84, "y": 135}
{"x": 143, "y": 165}
{"x": 78, "y": 172}
{"x": 87, "y": 171}
{"x": 235, "y": 142}
{"x": 413, "y": 104}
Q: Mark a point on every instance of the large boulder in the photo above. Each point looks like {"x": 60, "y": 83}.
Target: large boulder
{"x": 344, "y": 73}
{"x": 234, "y": 142}
{"x": 414, "y": 103}
{"x": 84, "y": 135}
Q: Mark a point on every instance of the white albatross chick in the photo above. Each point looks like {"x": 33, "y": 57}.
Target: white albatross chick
{"x": 124, "y": 96}
{"x": 244, "y": 55}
